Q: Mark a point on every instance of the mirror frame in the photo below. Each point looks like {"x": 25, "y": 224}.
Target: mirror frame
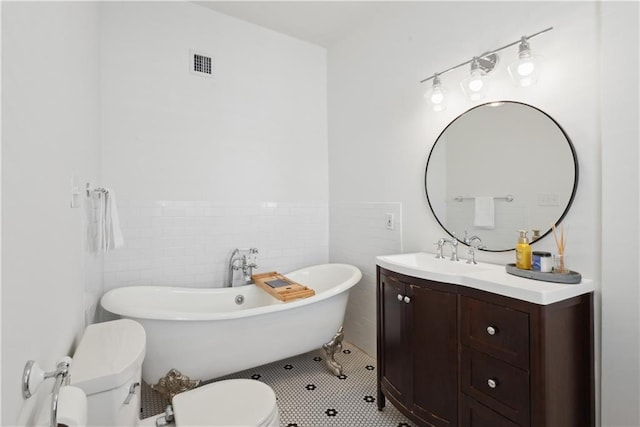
{"x": 573, "y": 154}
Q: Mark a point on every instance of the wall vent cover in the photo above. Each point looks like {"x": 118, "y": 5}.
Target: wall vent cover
{"x": 201, "y": 64}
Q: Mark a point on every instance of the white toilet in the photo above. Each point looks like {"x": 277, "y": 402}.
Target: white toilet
{"x": 107, "y": 366}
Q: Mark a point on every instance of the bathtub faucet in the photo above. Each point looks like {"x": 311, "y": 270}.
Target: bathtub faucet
{"x": 245, "y": 260}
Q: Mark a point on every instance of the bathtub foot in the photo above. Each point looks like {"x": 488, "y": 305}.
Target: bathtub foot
{"x": 173, "y": 383}
{"x": 331, "y": 348}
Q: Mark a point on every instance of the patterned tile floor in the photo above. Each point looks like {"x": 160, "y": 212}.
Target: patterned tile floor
{"x": 309, "y": 395}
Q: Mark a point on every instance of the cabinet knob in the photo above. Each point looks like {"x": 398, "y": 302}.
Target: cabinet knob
{"x": 491, "y": 330}
{"x": 492, "y": 383}
{"x": 400, "y": 297}
{"x": 407, "y": 300}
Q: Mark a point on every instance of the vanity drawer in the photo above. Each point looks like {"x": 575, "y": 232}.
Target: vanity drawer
{"x": 475, "y": 414}
{"x": 495, "y": 329}
{"x": 497, "y": 384}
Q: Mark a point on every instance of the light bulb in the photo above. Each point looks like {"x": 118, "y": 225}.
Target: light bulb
{"x": 526, "y": 67}
{"x": 524, "y": 72}
{"x": 436, "y": 95}
{"x": 476, "y": 84}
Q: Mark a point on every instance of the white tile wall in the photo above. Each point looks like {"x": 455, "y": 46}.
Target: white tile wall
{"x": 93, "y": 286}
{"x": 357, "y": 236}
{"x": 188, "y": 243}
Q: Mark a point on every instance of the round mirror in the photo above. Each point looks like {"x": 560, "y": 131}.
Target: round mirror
{"x": 499, "y": 168}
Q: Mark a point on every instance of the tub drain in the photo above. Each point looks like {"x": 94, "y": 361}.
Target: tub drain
{"x": 239, "y": 299}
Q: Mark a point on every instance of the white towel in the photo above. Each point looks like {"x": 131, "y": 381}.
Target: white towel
{"x": 484, "y": 213}
{"x": 104, "y": 232}
{"x": 95, "y": 221}
{"x": 112, "y": 234}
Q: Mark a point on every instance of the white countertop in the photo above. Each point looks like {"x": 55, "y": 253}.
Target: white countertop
{"x": 483, "y": 276}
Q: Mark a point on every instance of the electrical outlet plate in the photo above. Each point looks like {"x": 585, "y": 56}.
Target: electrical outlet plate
{"x": 388, "y": 221}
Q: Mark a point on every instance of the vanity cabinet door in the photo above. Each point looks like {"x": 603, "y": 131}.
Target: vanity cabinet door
{"x": 417, "y": 348}
{"x": 433, "y": 317}
{"x": 392, "y": 343}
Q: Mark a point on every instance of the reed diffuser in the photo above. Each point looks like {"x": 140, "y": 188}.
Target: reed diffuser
{"x": 559, "y": 264}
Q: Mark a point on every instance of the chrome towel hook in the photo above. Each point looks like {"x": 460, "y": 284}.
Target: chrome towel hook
{"x": 98, "y": 190}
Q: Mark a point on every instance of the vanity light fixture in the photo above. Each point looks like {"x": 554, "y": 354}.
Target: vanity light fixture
{"x": 475, "y": 86}
{"x": 436, "y": 95}
{"x": 524, "y": 72}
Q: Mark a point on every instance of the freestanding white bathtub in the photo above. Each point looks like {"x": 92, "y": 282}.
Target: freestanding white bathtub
{"x": 204, "y": 334}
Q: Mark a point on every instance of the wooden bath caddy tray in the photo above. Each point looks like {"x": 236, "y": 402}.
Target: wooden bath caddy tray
{"x": 281, "y": 287}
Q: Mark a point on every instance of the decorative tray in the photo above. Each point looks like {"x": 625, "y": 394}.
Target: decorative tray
{"x": 570, "y": 278}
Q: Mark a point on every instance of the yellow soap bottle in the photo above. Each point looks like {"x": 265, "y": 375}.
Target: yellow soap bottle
{"x": 523, "y": 251}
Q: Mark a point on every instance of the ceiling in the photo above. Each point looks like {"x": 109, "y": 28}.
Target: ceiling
{"x": 319, "y": 22}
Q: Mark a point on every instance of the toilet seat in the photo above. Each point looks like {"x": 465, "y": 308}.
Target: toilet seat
{"x": 237, "y": 402}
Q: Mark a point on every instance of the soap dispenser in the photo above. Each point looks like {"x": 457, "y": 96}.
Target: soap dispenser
{"x": 523, "y": 251}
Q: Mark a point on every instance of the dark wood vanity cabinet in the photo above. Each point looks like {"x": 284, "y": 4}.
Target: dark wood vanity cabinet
{"x": 450, "y": 355}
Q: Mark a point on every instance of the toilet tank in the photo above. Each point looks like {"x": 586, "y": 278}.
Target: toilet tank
{"x": 107, "y": 366}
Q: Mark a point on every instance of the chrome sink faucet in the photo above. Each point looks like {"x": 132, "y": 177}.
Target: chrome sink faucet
{"x": 472, "y": 255}
{"x": 440, "y": 244}
{"x": 472, "y": 248}
{"x": 454, "y": 247}
{"x": 245, "y": 260}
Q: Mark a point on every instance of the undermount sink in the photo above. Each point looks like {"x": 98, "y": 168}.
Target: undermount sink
{"x": 427, "y": 266}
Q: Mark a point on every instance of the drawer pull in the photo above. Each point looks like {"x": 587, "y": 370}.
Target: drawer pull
{"x": 400, "y": 297}
{"x": 491, "y": 330}
{"x": 407, "y": 300}
{"x": 492, "y": 383}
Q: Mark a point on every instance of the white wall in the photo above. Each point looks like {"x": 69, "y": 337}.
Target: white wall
{"x": 620, "y": 215}
{"x": 50, "y": 133}
{"x": 380, "y": 134}
{"x": 203, "y": 165}
{"x": 255, "y": 132}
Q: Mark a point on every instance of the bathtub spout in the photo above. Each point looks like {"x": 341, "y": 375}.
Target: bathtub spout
{"x": 233, "y": 266}
{"x": 245, "y": 262}
{"x": 331, "y": 348}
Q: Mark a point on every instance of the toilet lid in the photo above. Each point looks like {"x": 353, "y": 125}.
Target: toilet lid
{"x": 239, "y": 402}
{"x": 109, "y": 355}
